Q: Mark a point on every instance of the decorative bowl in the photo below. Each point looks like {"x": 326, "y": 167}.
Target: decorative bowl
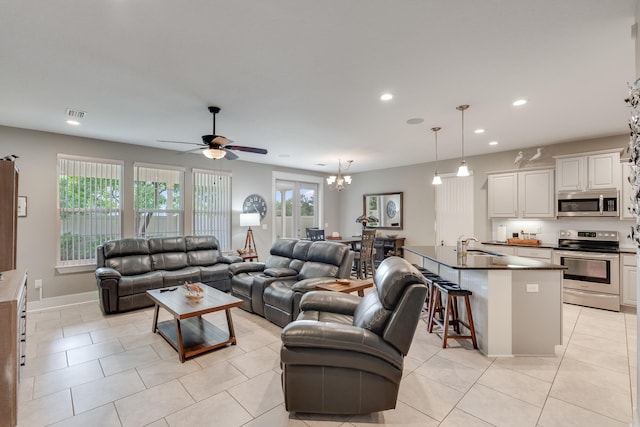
{"x": 392, "y": 236}
{"x": 343, "y": 281}
{"x": 194, "y": 291}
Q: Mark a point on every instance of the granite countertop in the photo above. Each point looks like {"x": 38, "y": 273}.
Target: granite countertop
{"x": 479, "y": 260}
{"x": 623, "y": 249}
{"x": 542, "y": 245}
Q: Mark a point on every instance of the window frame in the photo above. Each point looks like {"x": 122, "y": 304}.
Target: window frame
{"x": 180, "y": 211}
{"x": 224, "y": 207}
{"x": 86, "y": 264}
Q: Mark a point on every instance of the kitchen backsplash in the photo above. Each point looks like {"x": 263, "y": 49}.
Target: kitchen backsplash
{"x": 547, "y": 230}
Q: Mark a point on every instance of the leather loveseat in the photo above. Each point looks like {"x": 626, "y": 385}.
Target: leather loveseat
{"x": 345, "y": 354}
{"x": 273, "y": 288}
{"x": 127, "y": 268}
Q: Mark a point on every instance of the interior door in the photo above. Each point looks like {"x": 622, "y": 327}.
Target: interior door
{"x": 296, "y": 208}
{"x": 454, "y": 209}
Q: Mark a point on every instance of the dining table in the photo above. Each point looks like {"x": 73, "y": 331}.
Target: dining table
{"x": 353, "y": 241}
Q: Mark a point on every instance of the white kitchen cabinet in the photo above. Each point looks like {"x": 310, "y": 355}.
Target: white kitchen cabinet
{"x": 628, "y": 278}
{"x": 525, "y": 194}
{"x": 627, "y": 191}
{"x": 542, "y": 254}
{"x": 597, "y": 171}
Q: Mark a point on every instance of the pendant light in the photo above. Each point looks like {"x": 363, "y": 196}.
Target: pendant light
{"x": 436, "y": 177}
{"x": 463, "y": 170}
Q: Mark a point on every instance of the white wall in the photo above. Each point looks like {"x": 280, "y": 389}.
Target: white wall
{"x": 37, "y": 233}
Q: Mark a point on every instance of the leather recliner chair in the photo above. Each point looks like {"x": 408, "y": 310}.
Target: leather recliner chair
{"x": 344, "y": 354}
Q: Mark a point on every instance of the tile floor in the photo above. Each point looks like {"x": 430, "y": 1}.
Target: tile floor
{"x": 87, "y": 369}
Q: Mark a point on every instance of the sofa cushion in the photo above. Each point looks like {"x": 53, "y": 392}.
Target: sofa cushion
{"x": 169, "y": 261}
{"x": 202, "y": 250}
{"x": 178, "y": 277}
{"x": 124, "y": 247}
{"x": 130, "y": 265}
{"x": 370, "y": 314}
{"x": 167, "y": 244}
{"x": 280, "y": 253}
{"x": 213, "y": 273}
{"x": 131, "y": 285}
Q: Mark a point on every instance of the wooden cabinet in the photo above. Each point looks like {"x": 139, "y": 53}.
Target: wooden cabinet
{"x": 8, "y": 214}
{"x": 597, "y": 171}
{"x": 388, "y": 246}
{"x": 628, "y": 279}
{"x": 525, "y": 194}
{"x": 13, "y": 334}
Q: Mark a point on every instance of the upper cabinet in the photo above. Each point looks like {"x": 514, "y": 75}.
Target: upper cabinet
{"x": 597, "y": 171}
{"x": 525, "y": 194}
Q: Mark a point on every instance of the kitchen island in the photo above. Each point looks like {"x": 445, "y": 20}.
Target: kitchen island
{"x": 516, "y": 301}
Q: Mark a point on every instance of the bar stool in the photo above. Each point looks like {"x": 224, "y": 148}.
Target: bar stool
{"x": 451, "y": 291}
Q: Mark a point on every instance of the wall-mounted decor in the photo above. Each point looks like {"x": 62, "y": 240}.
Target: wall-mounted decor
{"x": 255, "y": 203}
{"x": 385, "y": 206}
{"x": 22, "y": 206}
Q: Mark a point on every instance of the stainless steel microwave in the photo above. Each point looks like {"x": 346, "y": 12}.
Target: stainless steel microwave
{"x": 588, "y": 204}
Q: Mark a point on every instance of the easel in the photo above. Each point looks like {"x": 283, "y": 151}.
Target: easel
{"x": 250, "y": 252}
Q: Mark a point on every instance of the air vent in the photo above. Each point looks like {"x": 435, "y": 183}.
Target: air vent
{"x": 75, "y": 114}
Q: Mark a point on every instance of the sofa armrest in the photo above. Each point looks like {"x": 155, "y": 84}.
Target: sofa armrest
{"x": 229, "y": 259}
{"x": 246, "y": 267}
{"x": 330, "y": 302}
{"x": 337, "y": 336}
{"x": 280, "y": 272}
{"x": 306, "y": 285}
{"x": 104, "y": 273}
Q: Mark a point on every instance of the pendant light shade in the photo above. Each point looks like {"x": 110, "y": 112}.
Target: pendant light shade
{"x": 436, "y": 176}
{"x": 463, "y": 169}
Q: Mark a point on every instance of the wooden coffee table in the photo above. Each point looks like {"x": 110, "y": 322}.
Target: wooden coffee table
{"x": 188, "y": 332}
{"x": 354, "y": 285}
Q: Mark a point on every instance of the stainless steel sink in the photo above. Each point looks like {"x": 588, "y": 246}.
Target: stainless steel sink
{"x": 478, "y": 252}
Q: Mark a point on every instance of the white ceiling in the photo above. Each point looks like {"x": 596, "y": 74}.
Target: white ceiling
{"x": 302, "y": 78}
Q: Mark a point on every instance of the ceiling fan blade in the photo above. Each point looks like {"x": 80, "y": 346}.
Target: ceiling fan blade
{"x": 247, "y": 149}
{"x": 230, "y": 154}
{"x": 215, "y": 139}
{"x": 179, "y": 142}
{"x": 191, "y": 151}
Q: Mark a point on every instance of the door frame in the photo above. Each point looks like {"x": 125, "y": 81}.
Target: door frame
{"x": 286, "y": 176}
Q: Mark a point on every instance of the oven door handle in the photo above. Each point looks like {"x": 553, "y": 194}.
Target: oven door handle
{"x": 571, "y": 254}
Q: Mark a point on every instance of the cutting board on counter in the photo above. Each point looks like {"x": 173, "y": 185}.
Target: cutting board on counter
{"x": 524, "y": 242}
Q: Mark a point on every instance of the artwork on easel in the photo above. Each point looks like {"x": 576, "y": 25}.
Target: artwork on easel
{"x": 22, "y": 206}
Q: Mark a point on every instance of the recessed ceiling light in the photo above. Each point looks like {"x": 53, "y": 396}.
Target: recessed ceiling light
{"x": 73, "y": 122}
{"x": 519, "y": 102}
{"x": 493, "y": 143}
{"x": 415, "y": 121}
{"x": 478, "y": 131}
{"x": 386, "y": 97}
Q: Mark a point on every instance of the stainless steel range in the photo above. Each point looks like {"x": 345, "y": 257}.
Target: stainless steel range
{"x": 592, "y": 277}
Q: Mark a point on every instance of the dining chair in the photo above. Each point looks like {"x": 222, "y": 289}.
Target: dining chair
{"x": 315, "y": 234}
{"x": 364, "y": 259}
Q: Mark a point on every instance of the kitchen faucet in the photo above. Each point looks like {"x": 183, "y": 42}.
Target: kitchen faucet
{"x": 461, "y": 246}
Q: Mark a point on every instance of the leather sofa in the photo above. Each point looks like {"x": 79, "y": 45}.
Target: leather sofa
{"x": 345, "y": 354}
{"x": 273, "y": 288}
{"x": 127, "y": 268}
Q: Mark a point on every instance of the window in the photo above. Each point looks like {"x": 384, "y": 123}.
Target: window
{"x": 157, "y": 200}
{"x": 89, "y": 207}
{"x": 212, "y": 205}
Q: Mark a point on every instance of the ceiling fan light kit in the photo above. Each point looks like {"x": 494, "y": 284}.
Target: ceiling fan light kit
{"x": 463, "y": 169}
{"x": 214, "y": 153}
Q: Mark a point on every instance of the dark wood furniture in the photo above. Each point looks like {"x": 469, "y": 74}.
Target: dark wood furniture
{"x": 352, "y": 286}
{"x": 8, "y": 214}
{"x": 388, "y": 246}
{"x": 188, "y": 332}
{"x": 13, "y": 335}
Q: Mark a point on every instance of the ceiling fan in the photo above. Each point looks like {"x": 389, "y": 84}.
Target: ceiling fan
{"x": 217, "y": 146}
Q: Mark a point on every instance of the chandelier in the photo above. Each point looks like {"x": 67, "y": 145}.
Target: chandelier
{"x": 340, "y": 182}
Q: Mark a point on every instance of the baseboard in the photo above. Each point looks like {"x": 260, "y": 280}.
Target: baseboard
{"x": 62, "y": 301}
